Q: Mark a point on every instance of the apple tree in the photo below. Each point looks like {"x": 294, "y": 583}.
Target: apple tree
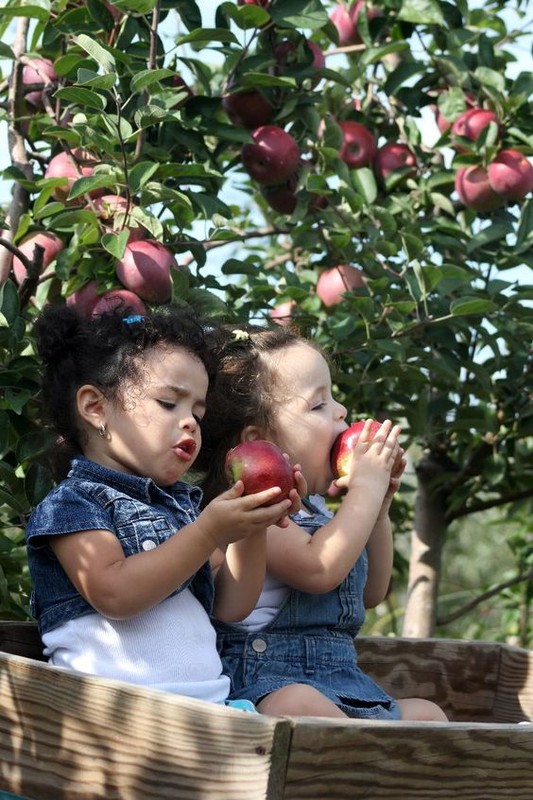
{"x": 361, "y": 170}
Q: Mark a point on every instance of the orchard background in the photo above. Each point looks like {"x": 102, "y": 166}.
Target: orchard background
{"x": 385, "y": 205}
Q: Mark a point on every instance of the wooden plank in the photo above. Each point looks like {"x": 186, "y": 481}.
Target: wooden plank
{"x": 64, "y": 737}
{"x": 514, "y": 695}
{"x": 461, "y": 676}
{"x": 409, "y": 761}
{"x": 21, "y": 639}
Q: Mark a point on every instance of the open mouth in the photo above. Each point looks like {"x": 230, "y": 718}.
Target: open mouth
{"x": 186, "y": 448}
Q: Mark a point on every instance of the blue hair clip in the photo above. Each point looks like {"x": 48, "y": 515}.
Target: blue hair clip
{"x": 132, "y": 319}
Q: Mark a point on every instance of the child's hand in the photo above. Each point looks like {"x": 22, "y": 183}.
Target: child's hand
{"x": 295, "y": 495}
{"x": 233, "y": 516}
{"x": 374, "y": 460}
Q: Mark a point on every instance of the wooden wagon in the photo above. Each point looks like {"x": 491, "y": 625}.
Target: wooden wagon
{"x": 66, "y": 737}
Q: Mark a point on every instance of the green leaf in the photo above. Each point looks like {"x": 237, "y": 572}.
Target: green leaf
{"x": 87, "y": 77}
{"x": 246, "y": 17}
{"x": 421, "y": 12}
{"x": 102, "y": 56}
{"x": 82, "y": 97}
{"x": 207, "y": 35}
{"x": 6, "y": 52}
{"x": 364, "y": 182}
{"x": 489, "y": 77}
{"x": 492, "y": 233}
{"x": 525, "y": 227}
{"x": 147, "y": 77}
{"x": 9, "y": 302}
{"x": 115, "y": 243}
{"x": 19, "y": 10}
{"x": 471, "y": 305}
{"x": 309, "y": 14}
{"x": 87, "y": 184}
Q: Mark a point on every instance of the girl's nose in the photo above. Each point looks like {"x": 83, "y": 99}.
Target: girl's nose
{"x": 189, "y": 424}
{"x": 342, "y": 411}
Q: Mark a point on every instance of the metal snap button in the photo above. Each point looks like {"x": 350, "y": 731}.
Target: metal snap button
{"x": 259, "y": 645}
{"x": 148, "y": 544}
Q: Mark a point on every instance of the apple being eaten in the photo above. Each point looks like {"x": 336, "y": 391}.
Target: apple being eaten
{"x": 260, "y": 465}
{"x": 344, "y": 445}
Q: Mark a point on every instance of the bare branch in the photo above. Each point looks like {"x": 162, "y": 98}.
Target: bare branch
{"x": 524, "y": 576}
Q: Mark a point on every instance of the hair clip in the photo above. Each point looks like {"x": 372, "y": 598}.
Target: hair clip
{"x": 240, "y": 336}
{"x": 132, "y": 319}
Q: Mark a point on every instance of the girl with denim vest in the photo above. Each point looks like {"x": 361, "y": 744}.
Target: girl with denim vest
{"x": 323, "y": 569}
{"x": 118, "y": 550}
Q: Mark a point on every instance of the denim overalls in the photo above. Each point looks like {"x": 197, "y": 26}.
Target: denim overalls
{"x": 310, "y": 641}
{"x": 92, "y": 497}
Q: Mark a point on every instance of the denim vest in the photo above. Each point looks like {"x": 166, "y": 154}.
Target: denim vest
{"x": 92, "y": 497}
{"x": 310, "y": 641}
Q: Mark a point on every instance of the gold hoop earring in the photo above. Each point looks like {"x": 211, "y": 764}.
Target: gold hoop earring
{"x": 102, "y": 430}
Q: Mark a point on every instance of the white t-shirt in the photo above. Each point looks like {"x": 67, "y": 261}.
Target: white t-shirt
{"x": 171, "y": 647}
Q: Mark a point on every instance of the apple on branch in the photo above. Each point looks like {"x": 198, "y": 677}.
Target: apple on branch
{"x": 510, "y": 175}
{"x": 38, "y": 73}
{"x": 272, "y": 157}
{"x": 394, "y": 162}
{"x": 51, "y": 245}
{"x": 145, "y": 269}
{"x": 260, "y": 465}
{"x": 474, "y": 189}
{"x": 335, "y": 281}
{"x": 72, "y": 166}
{"x": 118, "y": 301}
{"x": 358, "y": 144}
{"x": 471, "y": 124}
{"x": 248, "y": 108}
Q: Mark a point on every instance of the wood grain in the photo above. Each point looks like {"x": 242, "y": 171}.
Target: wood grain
{"x": 64, "y": 737}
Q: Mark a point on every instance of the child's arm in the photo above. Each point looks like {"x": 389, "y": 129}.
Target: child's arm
{"x": 240, "y": 572}
{"x": 380, "y": 548}
{"x": 320, "y": 562}
{"x": 120, "y": 587}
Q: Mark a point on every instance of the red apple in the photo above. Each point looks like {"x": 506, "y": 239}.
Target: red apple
{"x": 84, "y": 299}
{"x": 248, "y": 109}
{"x": 111, "y": 210}
{"x": 281, "y": 198}
{"x": 474, "y": 190}
{"x": 334, "y": 282}
{"x": 272, "y": 157}
{"x": 51, "y": 245}
{"x": 286, "y": 54}
{"x": 283, "y": 314}
{"x": 358, "y": 145}
{"x": 343, "y": 447}
{"x": 77, "y": 164}
{"x": 471, "y": 123}
{"x": 145, "y": 269}
{"x": 444, "y": 124}
{"x": 259, "y": 465}
{"x": 511, "y": 175}
{"x": 394, "y": 158}
{"x": 345, "y": 20}
{"x": 38, "y": 72}
{"x": 263, "y": 3}
{"x": 119, "y": 301}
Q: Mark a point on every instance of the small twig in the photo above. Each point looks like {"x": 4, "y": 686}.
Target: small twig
{"x": 525, "y": 576}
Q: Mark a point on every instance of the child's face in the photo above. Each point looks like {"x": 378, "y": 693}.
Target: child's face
{"x": 308, "y": 419}
{"x": 153, "y": 427}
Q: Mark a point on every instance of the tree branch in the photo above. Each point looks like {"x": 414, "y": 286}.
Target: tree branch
{"x": 484, "y": 505}
{"x": 524, "y": 576}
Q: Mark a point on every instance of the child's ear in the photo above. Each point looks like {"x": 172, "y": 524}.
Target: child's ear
{"x": 91, "y": 405}
{"x": 252, "y": 433}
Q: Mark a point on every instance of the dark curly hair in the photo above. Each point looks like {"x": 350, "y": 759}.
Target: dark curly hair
{"x": 104, "y": 351}
{"x": 243, "y": 392}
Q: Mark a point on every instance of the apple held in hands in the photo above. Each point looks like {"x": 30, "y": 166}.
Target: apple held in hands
{"x": 341, "y": 452}
{"x": 260, "y": 465}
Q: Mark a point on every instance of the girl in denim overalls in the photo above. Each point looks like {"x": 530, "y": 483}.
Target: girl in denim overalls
{"x": 118, "y": 551}
{"x": 323, "y": 569}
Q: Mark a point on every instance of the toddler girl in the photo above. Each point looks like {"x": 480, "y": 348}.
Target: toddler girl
{"x": 118, "y": 551}
{"x": 323, "y": 569}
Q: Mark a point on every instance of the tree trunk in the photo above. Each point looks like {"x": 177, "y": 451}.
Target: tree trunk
{"x": 427, "y": 541}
